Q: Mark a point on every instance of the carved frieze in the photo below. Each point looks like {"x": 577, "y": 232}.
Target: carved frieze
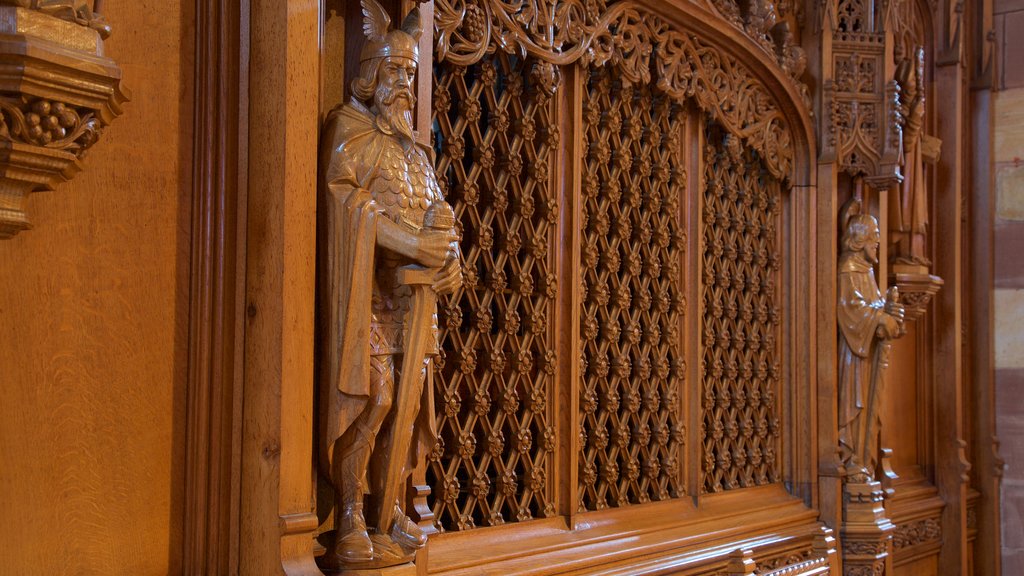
{"x": 916, "y": 533}
{"x": 57, "y": 93}
{"x": 626, "y": 34}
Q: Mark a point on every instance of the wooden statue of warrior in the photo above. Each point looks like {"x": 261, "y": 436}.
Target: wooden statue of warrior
{"x": 391, "y": 248}
{"x": 867, "y": 324}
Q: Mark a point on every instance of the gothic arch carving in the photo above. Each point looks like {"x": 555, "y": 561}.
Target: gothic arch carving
{"x": 765, "y": 105}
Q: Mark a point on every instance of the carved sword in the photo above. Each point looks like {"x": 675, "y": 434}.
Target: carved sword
{"x": 422, "y": 305}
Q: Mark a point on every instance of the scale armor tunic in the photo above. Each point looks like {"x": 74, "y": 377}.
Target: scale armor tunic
{"x": 405, "y": 187}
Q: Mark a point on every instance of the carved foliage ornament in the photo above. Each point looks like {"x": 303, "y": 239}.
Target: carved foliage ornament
{"x": 622, "y": 33}
{"x": 916, "y": 533}
{"x": 56, "y": 96}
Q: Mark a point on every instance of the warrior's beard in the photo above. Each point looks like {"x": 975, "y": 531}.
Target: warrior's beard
{"x": 395, "y": 108}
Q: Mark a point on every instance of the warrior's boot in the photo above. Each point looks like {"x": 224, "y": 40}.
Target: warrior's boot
{"x": 352, "y": 543}
{"x": 406, "y": 532}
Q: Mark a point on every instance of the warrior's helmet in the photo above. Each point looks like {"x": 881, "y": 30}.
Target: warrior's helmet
{"x": 401, "y": 42}
{"x": 381, "y": 43}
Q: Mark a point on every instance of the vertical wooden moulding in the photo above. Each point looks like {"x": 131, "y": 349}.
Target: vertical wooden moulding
{"x": 276, "y": 510}
{"x": 217, "y": 280}
{"x": 804, "y": 340}
{"x": 989, "y": 465}
{"x": 693, "y": 217}
{"x": 570, "y": 274}
{"x": 827, "y": 405}
{"x": 951, "y": 463}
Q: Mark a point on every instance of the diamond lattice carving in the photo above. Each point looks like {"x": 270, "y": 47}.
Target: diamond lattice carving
{"x": 741, "y": 261}
{"x": 631, "y": 436}
{"x": 495, "y": 133}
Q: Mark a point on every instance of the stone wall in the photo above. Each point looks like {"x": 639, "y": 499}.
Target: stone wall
{"x": 1009, "y": 272}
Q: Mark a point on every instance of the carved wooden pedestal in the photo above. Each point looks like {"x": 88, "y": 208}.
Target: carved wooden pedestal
{"x": 57, "y": 92}
{"x": 917, "y": 287}
{"x": 866, "y": 533}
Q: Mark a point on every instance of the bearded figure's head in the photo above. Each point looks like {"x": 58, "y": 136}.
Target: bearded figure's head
{"x": 860, "y": 231}
{"x": 387, "y": 69}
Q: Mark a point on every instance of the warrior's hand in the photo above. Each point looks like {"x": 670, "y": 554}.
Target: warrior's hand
{"x": 432, "y": 247}
{"x": 449, "y": 278}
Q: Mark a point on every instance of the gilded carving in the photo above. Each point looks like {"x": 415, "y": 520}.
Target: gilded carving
{"x": 391, "y": 249}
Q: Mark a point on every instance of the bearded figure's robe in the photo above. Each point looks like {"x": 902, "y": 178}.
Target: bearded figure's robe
{"x": 862, "y": 358}
{"x": 361, "y": 158}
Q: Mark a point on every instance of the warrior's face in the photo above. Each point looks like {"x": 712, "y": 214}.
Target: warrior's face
{"x": 394, "y": 98}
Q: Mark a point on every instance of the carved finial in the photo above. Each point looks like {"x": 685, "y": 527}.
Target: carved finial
{"x": 375, "y": 21}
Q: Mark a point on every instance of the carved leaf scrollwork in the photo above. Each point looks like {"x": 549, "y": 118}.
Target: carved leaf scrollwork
{"x": 624, "y": 34}
{"x": 916, "y": 533}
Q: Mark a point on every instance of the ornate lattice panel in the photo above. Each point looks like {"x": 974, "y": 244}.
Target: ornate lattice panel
{"x": 631, "y": 436}
{"x": 741, "y": 327}
{"x": 495, "y": 132}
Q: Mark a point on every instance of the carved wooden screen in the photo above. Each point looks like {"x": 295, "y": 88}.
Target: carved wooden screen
{"x": 741, "y": 329}
{"x": 494, "y": 137}
{"x": 503, "y": 445}
{"x": 631, "y": 397}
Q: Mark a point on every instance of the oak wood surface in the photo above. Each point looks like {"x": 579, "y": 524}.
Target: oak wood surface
{"x": 94, "y": 308}
{"x": 276, "y": 501}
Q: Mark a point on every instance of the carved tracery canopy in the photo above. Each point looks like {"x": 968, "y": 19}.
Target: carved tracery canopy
{"x": 684, "y": 62}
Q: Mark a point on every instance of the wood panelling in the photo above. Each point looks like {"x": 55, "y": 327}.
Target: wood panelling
{"x": 94, "y": 306}
{"x": 277, "y": 444}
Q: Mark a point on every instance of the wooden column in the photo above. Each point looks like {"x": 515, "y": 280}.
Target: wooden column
{"x": 217, "y": 275}
{"x": 952, "y": 467}
{"x": 277, "y": 522}
{"x": 988, "y": 464}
